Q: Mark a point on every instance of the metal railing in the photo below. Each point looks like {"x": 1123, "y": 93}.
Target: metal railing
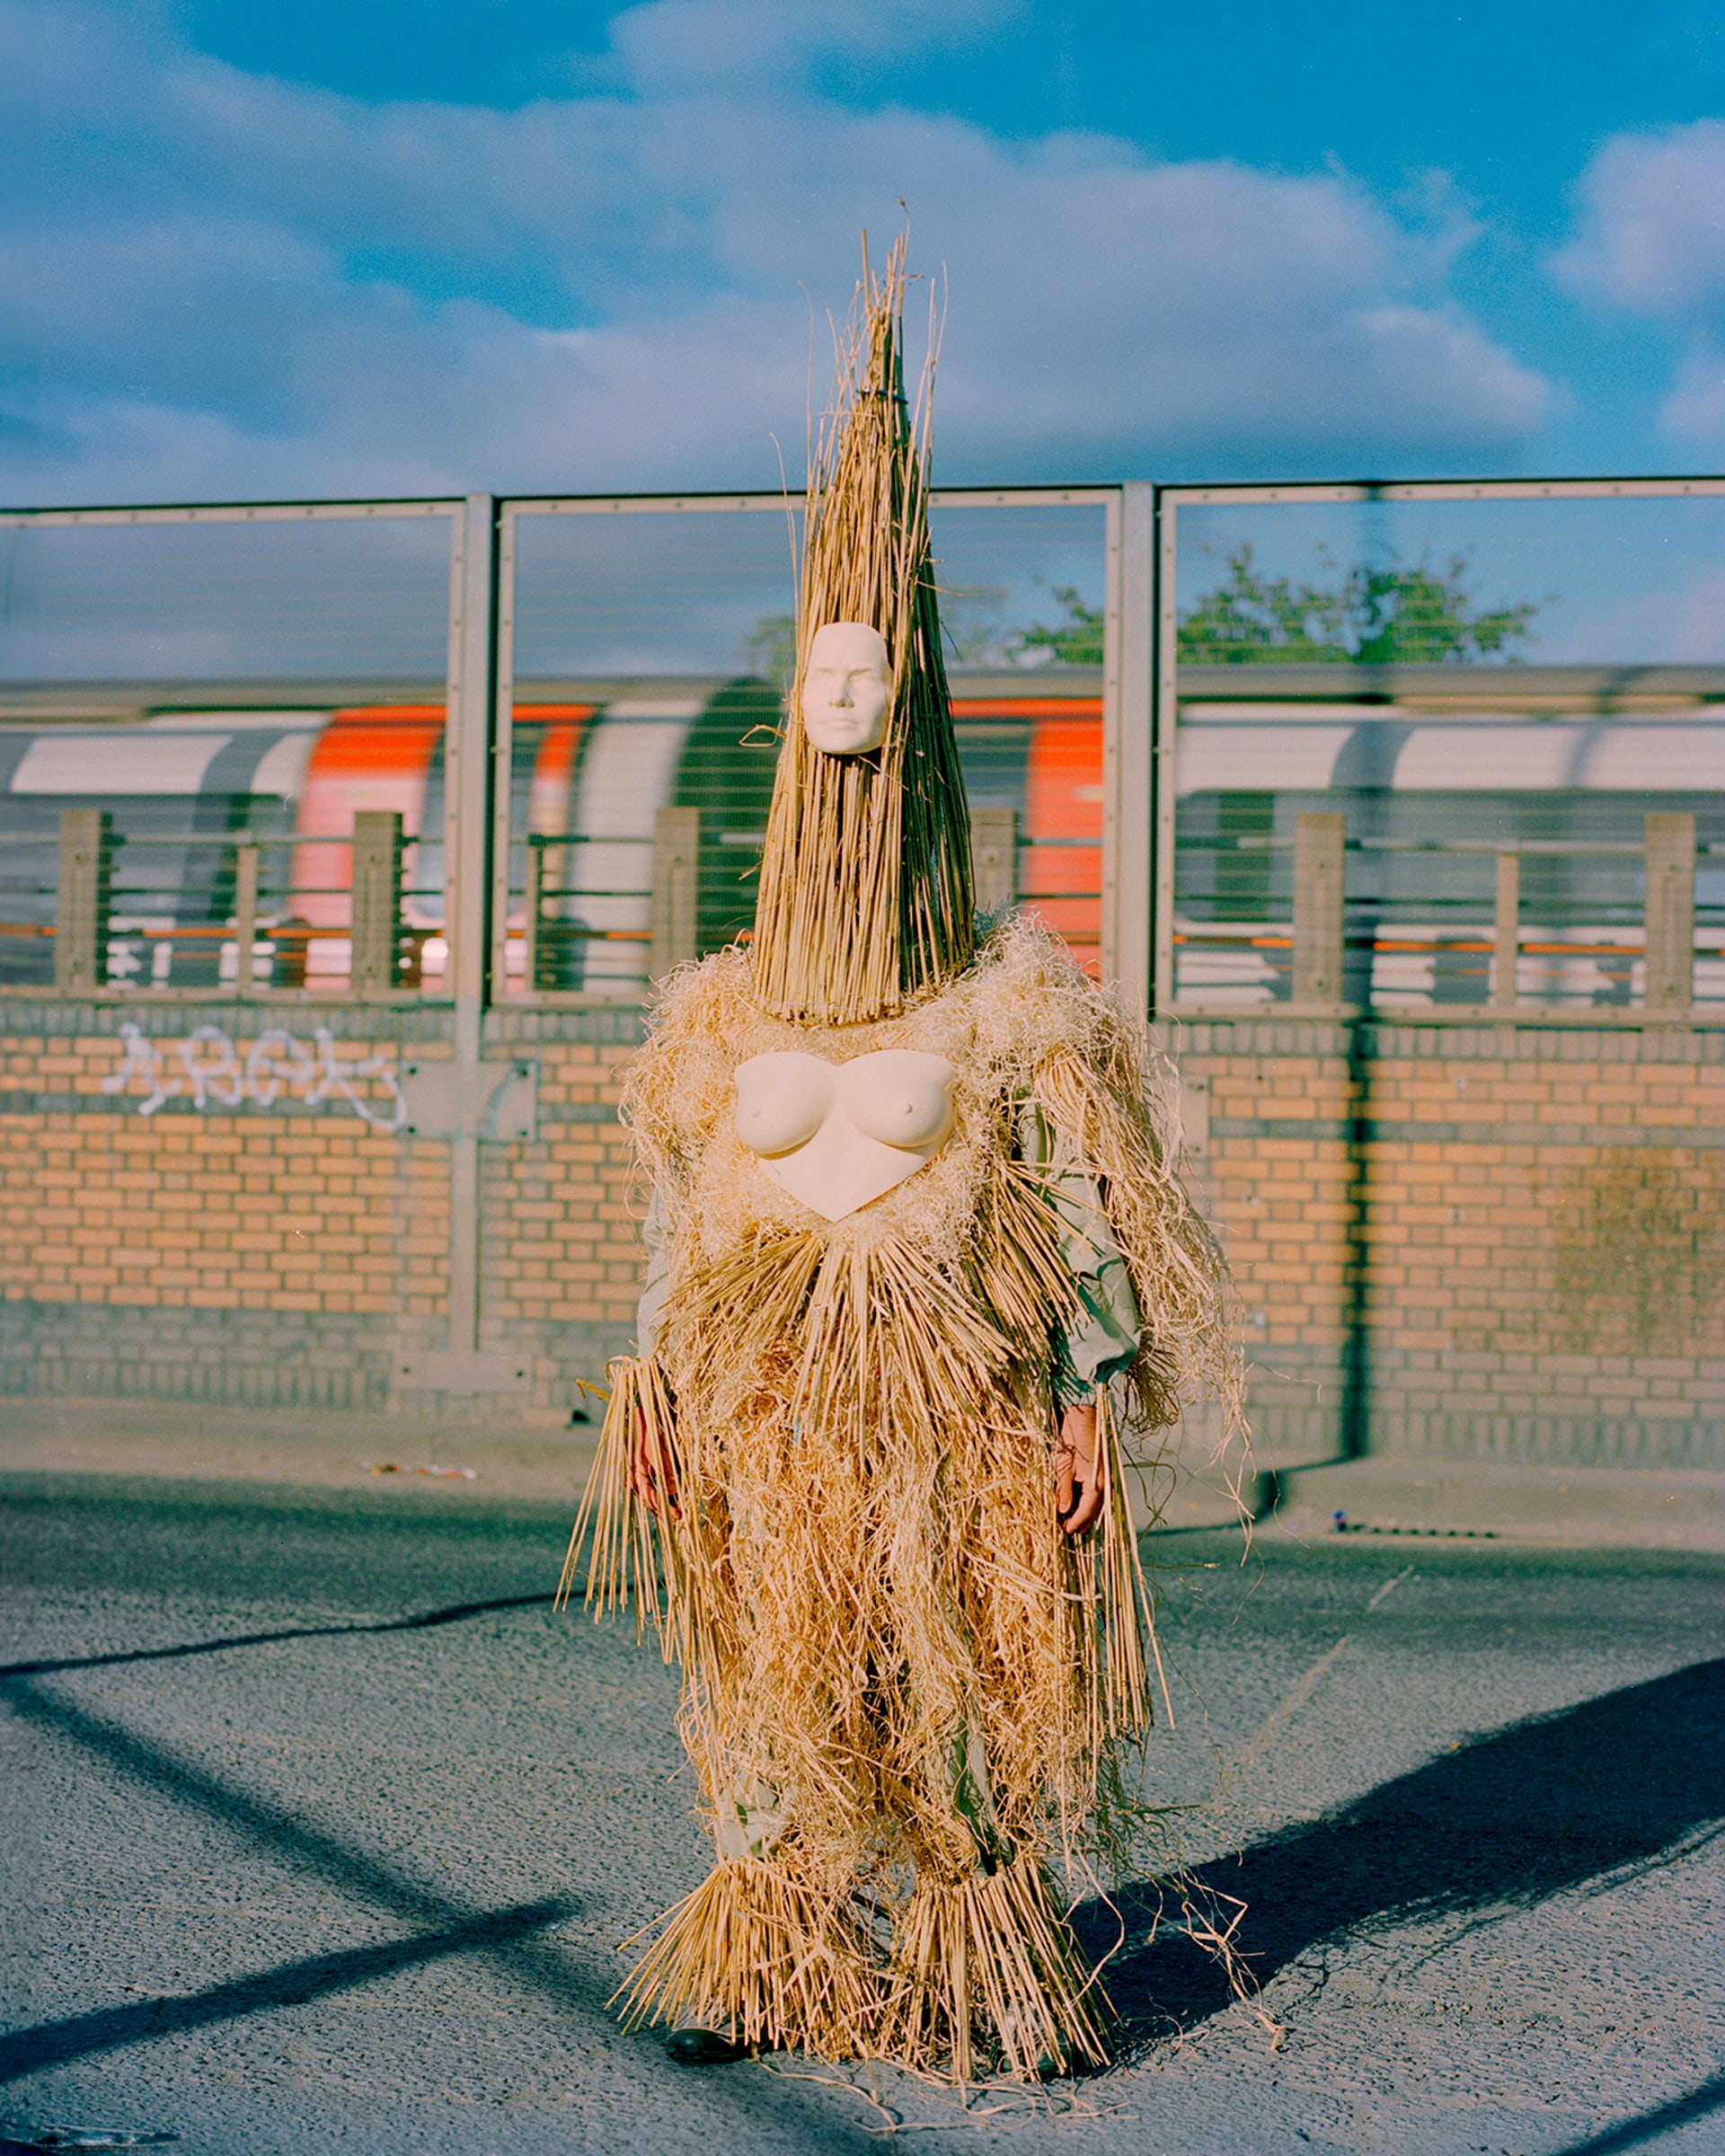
{"x": 259, "y": 947}
{"x": 553, "y": 939}
{"x": 1650, "y": 965}
{"x": 266, "y": 947}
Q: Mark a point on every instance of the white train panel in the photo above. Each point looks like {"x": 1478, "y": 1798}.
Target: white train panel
{"x": 1223, "y": 758}
{"x": 1281, "y": 750}
{"x": 117, "y": 761}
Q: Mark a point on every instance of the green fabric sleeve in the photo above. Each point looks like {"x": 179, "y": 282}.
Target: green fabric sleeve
{"x": 1103, "y": 1334}
{"x": 657, "y": 1285}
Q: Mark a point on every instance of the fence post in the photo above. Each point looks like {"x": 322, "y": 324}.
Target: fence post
{"x": 1318, "y": 863}
{"x": 377, "y": 901}
{"x": 1130, "y": 747}
{"x": 1670, "y": 912}
{"x": 676, "y": 888}
{"x": 1506, "y": 933}
{"x": 994, "y": 858}
{"x": 81, "y": 906}
{"x": 246, "y": 915}
{"x": 533, "y": 898}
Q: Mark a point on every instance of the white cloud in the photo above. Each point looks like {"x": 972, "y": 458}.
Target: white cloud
{"x": 1651, "y": 241}
{"x": 1651, "y": 236}
{"x": 221, "y": 284}
{"x": 1694, "y": 409}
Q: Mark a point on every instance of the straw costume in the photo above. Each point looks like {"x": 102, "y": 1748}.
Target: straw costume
{"x": 829, "y": 1473}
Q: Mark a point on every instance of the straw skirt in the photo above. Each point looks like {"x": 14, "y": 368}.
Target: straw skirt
{"x": 909, "y": 1696}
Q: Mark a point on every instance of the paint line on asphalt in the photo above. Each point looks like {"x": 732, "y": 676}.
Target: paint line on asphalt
{"x": 1298, "y": 1693}
{"x": 1388, "y": 1588}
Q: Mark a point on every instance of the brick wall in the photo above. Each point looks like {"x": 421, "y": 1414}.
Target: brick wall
{"x": 1493, "y": 1242}
{"x": 560, "y": 1252}
{"x": 192, "y": 1209}
{"x": 1503, "y": 1242}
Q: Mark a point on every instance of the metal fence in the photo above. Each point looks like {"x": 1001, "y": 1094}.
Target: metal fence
{"x": 1431, "y": 749}
{"x": 203, "y": 714}
{"x": 1427, "y": 749}
{"x": 542, "y": 777}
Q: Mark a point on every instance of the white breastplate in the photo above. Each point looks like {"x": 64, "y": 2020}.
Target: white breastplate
{"x": 839, "y": 1134}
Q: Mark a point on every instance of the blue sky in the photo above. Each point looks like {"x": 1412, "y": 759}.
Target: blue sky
{"x": 405, "y": 245}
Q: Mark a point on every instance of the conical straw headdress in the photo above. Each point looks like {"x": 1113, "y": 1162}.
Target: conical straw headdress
{"x": 866, "y": 897}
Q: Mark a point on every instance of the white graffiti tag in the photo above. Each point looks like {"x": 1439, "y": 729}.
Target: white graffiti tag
{"x": 210, "y": 1073}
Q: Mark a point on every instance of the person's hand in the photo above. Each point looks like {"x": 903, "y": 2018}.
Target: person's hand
{"x": 652, "y": 1468}
{"x": 1078, "y": 1487}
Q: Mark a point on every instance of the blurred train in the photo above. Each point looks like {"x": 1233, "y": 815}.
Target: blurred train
{"x": 591, "y": 765}
{"x": 1432, "y": 773}
{"x": 1435, "y": 769}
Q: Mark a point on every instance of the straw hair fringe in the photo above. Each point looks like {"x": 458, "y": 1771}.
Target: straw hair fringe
{"x": 865, "y": 898}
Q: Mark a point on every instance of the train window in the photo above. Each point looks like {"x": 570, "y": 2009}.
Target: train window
{"x": 217, "y": 696}
{"x": 1469, "y": 678}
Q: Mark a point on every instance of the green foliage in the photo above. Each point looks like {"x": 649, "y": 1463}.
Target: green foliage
{"x": 1402, "y": 615}
{"x": 769, "y": 649}
{"x": 1077, "y": 642}
{"x": 974, "y": 634}
{"x": 1405, "y": 616}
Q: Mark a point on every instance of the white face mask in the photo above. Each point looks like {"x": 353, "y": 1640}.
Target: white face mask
{"x": 846, "y": 689}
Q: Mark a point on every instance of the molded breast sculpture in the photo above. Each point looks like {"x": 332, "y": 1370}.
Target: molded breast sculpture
{"x": 839, "y": 1135}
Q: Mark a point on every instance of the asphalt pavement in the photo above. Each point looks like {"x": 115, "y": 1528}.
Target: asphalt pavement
{"x": 323, "y": 1832}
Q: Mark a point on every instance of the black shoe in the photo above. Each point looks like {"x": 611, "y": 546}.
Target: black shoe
{"x": 704, "y": 2047}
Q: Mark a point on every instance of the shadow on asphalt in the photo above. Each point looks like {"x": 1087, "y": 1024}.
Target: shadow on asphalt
{"x": 1614, "y": 1787}
{"x": 1618, "y": 1785}
{"x": 427, "y": 1621}
{"x": 1664, "y": 2118}
{"x": 291, "y": 1983}
{"x": 511, "y": 1937}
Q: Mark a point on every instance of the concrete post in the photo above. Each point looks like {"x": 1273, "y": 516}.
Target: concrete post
{"x": 1506, "y": 933}
{"x": 82, "y": 905}
{"x": 994, "y": 858}
{"x": 1670, "y": 912}
{"x": 377, "y": 901}
{"x": 246, "y": 860}
{"x": 1318, "y": 861}
{"x": 532, "y": 899}
{"x": 676, "y": 888}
